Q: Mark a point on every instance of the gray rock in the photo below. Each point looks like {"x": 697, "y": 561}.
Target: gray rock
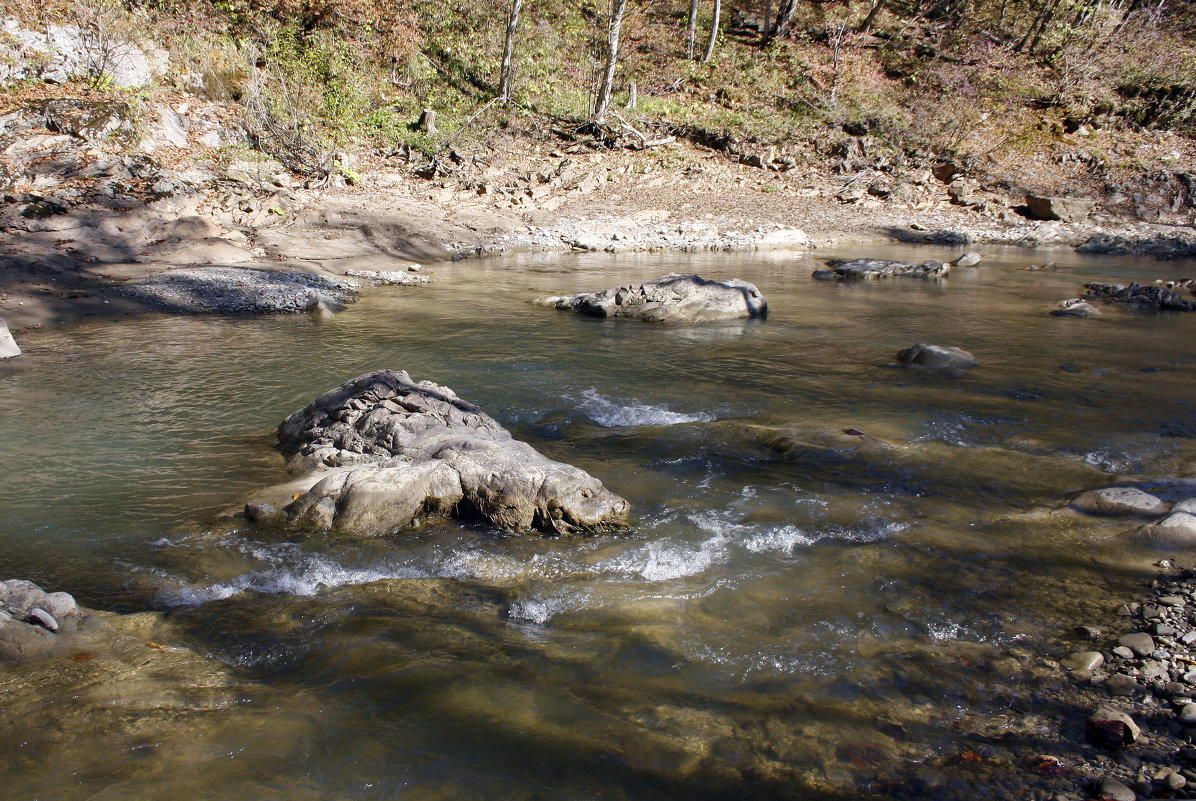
{"x": 1152, "y": 297}
{"x": 237, "y": 290}
{"x": 1119, "y": 502}
{"x": 1113, "y": 790}
{"x": 8, "y": 345}
{"x": 21, "y": 597}
{"x": 1121, "y": 652}
{"x": 967, "y": 260}
{"x": 263, "y": 513}
{"x": 1120, "y": 685}
{"x": 1177, "y": 530}
{"x": 42, "y": 618}
{"x": 385, "y": 452}
{"x": 168, "y": 130}
{"x": 1074, "y": 307}
{"x": 1110, "y": 727}
{"x": 1083, "y": 660}
{"x": 64, "y": 52}
{"x": 1139, "y": 642}
{"x": 936, "y": 357}
{"x": 1067, "y": 209}
{"x": 1187, "y": 715}
{"x": 673, "y": 298}
{"x": 877, "y": 269}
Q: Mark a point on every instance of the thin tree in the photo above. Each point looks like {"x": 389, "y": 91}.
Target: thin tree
{"x": 602, "y": 104}
{"x": 709, "y": 54}
{"x": 508, "y": 50}
{"x": 691, "y": 28}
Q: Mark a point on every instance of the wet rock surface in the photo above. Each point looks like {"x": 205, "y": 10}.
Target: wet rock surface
{"x": 1146, "y": 728}
{"x": 237, "y": 290}
{"x": 673, "y": 298}
{"x": 877, "y": 269}
{"x": 1074, "y": 307}
{"x": 1140, "y": 296}
{"x": 382, "y": 452}
{"x": 936, "y": 357}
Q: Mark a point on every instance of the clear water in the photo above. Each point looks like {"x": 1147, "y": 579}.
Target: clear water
{"x": 796, "y": 613}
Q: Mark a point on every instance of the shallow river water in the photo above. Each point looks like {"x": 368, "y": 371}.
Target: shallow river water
{"x": 796, "y": 612}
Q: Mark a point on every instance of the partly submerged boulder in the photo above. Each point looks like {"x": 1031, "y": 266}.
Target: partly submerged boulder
{"x": 876, "y": 269}
{"x": 673, "y": 298}
{"x": 1119, "y": 502}
{"x": 1141, "y": 296}
{"x": 936, "y": 357}
{"x": 384, "y": 452}
{"x": 1074, "y": 307}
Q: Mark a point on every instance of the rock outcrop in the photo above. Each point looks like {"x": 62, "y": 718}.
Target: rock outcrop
{"x": 876, "y": 269}
{"x": 936, "y": 357}
{"x": 1141, "y": 296}
{"x": 673, "y": 298}
{"x": 383, "y": 452}
{"x": 1067, "y": 209}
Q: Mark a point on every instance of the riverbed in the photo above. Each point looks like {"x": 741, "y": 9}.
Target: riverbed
{"x": 842, "y": 578}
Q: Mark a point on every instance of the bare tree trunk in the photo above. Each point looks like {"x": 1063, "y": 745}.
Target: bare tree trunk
{"x": 602, "y": 104}
{"x": 691, "y": 28}
{"x": 766, "y": 34}
{"x": 785, "y": 16}
{"x": 718, "y": 10}
{"x": 877, "y": 5}
{"x": 508, "y": 50}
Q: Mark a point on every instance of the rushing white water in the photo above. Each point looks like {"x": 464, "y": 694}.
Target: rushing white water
{"x": 615, "y": 414}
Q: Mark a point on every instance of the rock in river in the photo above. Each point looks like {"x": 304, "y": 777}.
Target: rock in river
{"x": 1111, "y": 728}
{"x": 383, "y": 452}
{"x": 936, "y": 357}
{"x": 1141, "y": 296}
{"x": 1119, "y": 502}
{"x": 876, "y": 269}
{"x": 1074, "y": 307}
{"x": 673, "y": 298}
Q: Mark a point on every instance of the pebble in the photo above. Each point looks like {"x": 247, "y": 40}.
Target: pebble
{"x": 1187, "y": 715}
{"x": 1189, "y": 637}
{"x": 1121, "y": 685}
{"x": 1121, "y": 652}
{"x": 1083, "y": 660}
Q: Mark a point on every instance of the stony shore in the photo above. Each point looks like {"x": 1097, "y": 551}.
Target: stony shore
{"x": 94, "y": 203}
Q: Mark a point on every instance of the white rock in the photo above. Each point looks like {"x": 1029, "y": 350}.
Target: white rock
{"x": 8, "y": 345}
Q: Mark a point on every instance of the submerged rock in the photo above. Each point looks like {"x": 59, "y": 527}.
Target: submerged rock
{"x": 876, "y": 269}
{"x": 1074, "y": 307}
{"x": 1139, "y": 296}
{"x": 1119, "y": 502}
{"x": 936, "y": 357}
{"x": 673, "y": 298}
{"x": 384, "y": 452}
{"x": 239, "y": 290}
{"x": 8, "y": 345}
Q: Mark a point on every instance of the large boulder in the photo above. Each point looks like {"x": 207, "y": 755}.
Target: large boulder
{"x": 673, "y": 298}
{"x": 936, "y": 357}
{"x": 383, "y": 452}
{"x": 1119, "y": 502}
{"x": 1067, "y": 209}
{"x": 1176, "y": 530}
{"x": 876, "y": 269}
{"x": 1141, "y": 296}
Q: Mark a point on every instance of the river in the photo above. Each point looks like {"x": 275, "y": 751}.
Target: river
{"x": 797, "y": 612}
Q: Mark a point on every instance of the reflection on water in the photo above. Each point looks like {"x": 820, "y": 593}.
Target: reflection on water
{"x": 835, "y": 584}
